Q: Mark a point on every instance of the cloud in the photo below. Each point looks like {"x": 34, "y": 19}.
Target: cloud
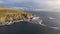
{"x": 49, "y": 4}
{"x": 26, "y": 3}
{"x": 1, "y": 2}
{"x": 39, "y": 4}
{"x": 16, "y": 1}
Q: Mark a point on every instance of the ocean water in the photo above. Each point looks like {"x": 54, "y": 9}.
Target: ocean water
{"x": 49, "y": 19}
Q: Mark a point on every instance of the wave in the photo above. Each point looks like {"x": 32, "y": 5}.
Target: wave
{"x": 39, "y": 21}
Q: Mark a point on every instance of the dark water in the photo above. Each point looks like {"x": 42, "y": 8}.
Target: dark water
{"x": 22, "y": 28}
{"x": 26, "y": 28}
{"x": 30, "y": 28}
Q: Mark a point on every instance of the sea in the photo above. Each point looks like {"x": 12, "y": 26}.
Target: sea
{"x": 50, "y": 21}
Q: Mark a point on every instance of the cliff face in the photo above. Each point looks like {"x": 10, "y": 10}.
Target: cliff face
{"x": 7, "y": 15}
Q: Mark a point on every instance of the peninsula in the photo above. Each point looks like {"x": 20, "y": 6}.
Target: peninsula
{"x": 10, "y": 15}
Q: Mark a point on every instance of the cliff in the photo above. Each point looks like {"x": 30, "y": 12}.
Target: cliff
{"x": 7, "y": 15}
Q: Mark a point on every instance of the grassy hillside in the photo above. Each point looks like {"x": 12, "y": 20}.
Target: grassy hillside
{"x": 7, "y": 15}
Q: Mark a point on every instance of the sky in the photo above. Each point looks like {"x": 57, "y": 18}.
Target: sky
{"x": 36, "y": 4}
